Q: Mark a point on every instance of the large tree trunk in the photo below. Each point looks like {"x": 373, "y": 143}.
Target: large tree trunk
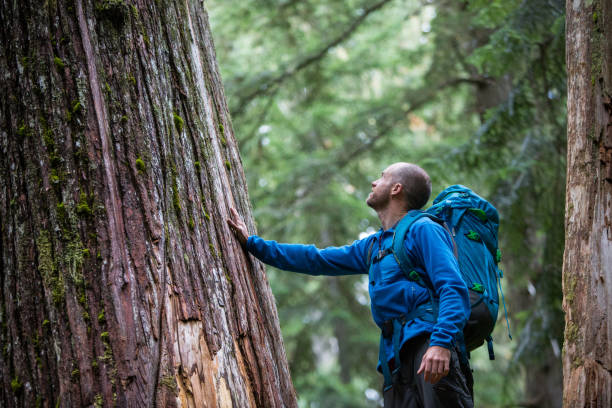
{"x": 587, "y": 268}
{"x": 121, "y": 283}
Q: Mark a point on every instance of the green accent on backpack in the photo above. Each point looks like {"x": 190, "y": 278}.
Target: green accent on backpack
{"x": 414, "y": 276}
{"x": 479, "y": 213}
{"x": 498, "y": 256}
{"x": 473, "y": 235}
{"x": 478, "y": 288}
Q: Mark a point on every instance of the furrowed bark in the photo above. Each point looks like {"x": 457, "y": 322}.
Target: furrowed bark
{"x": 121, "y": 283}
{"x": 587, "y": 268}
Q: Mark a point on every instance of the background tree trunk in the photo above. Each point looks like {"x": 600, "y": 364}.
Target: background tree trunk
{"x": 587, "y": 269}
{"x": 121, "y": 283}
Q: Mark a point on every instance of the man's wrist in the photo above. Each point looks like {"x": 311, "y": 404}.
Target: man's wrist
{"x": 249, "y": 242}
{"x": 440, "y": 344}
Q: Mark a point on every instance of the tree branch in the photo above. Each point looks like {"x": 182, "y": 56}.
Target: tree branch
{"x": 269, "y": 85}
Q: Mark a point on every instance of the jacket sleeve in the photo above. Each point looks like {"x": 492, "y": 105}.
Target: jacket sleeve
{"x": 308, "y": 259}
{"x": 435, "y": 248}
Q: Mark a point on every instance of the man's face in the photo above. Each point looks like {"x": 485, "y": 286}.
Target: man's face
{"x": 381, "y": 190}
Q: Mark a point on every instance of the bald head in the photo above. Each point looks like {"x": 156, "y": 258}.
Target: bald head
{"x": 415, "y": 182}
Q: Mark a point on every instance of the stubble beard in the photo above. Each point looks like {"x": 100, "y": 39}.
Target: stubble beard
{"x": 376, "y": 202}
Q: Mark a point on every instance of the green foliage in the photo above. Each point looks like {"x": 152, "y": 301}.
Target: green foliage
{"x": 324, "y": 95}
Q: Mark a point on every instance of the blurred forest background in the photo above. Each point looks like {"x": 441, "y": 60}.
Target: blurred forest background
{"x": 325, "y": 94}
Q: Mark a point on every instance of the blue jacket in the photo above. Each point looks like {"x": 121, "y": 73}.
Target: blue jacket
{"x": 430, "y": 250}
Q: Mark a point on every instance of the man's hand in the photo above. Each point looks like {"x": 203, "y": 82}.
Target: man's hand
{"x": 238, "y": 227}
{"x": 435, "y": 364}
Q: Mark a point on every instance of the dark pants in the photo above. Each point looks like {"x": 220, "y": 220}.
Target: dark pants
{"x": 411, "y": 391}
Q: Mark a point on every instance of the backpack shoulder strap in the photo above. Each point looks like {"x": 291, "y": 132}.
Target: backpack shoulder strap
{"x": 401, "y": 255}
{"x": 399, "y": 250}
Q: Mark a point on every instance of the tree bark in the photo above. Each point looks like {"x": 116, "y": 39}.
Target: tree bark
{"x": 587, "y": 268}
{"x": 121, "y": 283}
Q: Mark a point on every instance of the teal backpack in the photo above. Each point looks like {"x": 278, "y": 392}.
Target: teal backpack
{"x": 473, "y": 224}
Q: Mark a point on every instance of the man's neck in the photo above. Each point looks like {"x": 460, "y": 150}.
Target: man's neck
{"x": 390, "y": 216}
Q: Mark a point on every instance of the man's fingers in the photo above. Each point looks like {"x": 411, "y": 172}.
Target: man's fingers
{"x": 428, "y": 369}
{"x": 421, "y": 368}
{"x": 433, "y": 369}
{"x": 237, "y": 226}
{"x": 231, "y": 223}
{"x": 439, "y": 369}
{"x": 425, "y": 367}
{"x": 234, "y": 219}
{"x": 435, "y": 364}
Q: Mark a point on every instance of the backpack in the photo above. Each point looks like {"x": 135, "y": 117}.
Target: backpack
{"x": 473, "y": 224}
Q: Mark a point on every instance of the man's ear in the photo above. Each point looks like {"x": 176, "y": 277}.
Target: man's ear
{"x": 396, "y": 189}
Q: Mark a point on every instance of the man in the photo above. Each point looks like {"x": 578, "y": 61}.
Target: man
{"x": 431, "y": 374}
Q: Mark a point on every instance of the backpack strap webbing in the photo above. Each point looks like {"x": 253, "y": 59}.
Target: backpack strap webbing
{"x": 392, "y": 329}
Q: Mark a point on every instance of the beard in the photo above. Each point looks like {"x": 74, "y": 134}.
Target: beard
{"x": 377, "y": 201}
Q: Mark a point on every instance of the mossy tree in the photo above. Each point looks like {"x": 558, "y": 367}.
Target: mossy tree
{"x": 587, "y": 268}
{"x": 121, "y": 284}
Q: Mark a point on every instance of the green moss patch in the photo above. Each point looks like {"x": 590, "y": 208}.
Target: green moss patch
{"x": 83, "y": 209}
{"x": 140, "y": 165}
{"x": 101, "y": 317}
{"x": 178, "y": 122}
{"x": 59, "y": 63}
{"x": 46, "y": 266}
{"x": 176, "y": 200}
{"x": 168, "y": 381}
{"x": 16, "y": 385}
